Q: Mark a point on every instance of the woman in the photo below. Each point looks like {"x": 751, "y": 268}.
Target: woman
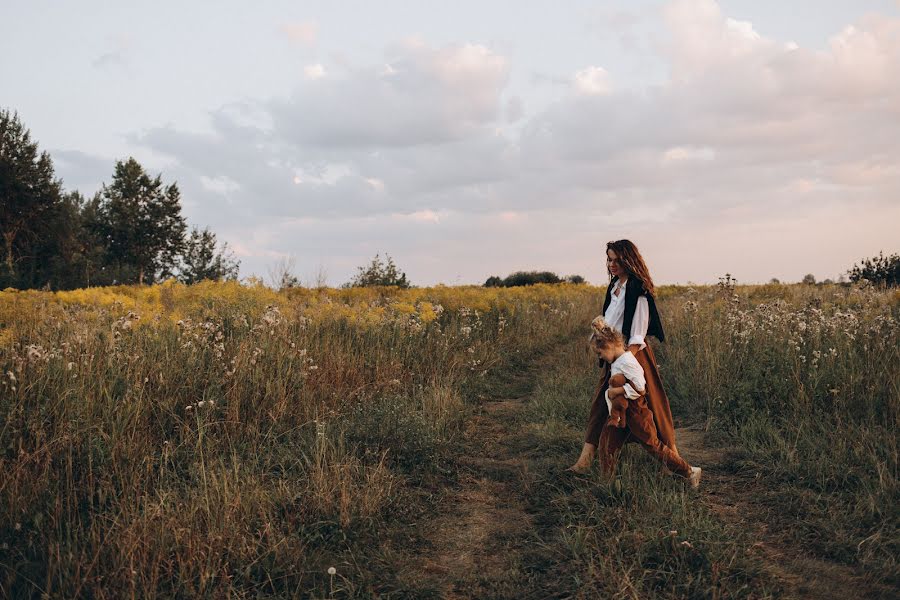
{"x": 630, "y": 307}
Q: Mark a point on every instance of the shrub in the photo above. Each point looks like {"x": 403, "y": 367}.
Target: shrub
{"x": 530, "y": 278}
{"x": 379, "y": 273}
{"x": 879, "y": 269}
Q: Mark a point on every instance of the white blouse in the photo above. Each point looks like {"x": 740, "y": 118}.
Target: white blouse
{"x": 615, "y": 315}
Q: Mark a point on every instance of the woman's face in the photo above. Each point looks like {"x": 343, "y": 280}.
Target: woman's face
{"x": 612, "y": 262}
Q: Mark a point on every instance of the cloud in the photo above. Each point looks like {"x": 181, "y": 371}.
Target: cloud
{"x": 338, "y": 149}
{"x": 742, "y": 112}
{"x": 748, "y": 128}
{"x": 515, "y": 109}
{"x": 683, "y": 153}
{"x": 80, "y": 170}
{"x": 117, "y": 56}
{"x": 301, "y": 32}
{"x": 107, "y": 59}
{"x": 220, "y": 185}
{"x": 423, "y": 95}
{"x": 592, "y": 81}
{"x": 316, "y": 71}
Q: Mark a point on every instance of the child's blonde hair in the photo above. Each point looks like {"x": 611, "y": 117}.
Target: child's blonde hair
{"x": 603, "y": 334}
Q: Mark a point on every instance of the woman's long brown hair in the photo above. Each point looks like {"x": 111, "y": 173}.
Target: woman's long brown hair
{"x": 632, "y": 261}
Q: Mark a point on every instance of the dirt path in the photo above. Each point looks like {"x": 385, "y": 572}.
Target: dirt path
{"x": 478, "y": 540}
{"x": 740, "y": 499}
{"x": 483, "y": 542}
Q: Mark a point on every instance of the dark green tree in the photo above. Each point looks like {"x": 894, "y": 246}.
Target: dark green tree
{"x": 90, "y": 259}
{"x": 878, "y": 269}
{"x": 201, "y": 259}
{"x": 30, "y": 201}
{"x": 58, "y": 249}
{"x": 379, "y": 273}
{"x": 530, "y": 278}
{"x": 140, "y": 225}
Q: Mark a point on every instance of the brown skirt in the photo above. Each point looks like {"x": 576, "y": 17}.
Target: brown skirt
{"x": 657, "y": 402}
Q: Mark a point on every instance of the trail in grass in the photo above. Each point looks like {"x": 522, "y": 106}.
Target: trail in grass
{"x": 495, "y": 535}
{"x": 741, "y": 499}
{"x": 483, "y": 542}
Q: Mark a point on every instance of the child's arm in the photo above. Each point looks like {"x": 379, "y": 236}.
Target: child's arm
{"x": 615, "y": 384}
{"x": 619, "y": 391}
{"x": 630, "y": 392}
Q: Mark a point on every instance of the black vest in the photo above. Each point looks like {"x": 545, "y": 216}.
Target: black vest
{"x": 634, "y": 288}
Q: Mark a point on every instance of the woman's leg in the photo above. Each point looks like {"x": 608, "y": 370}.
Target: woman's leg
{"x": 596, "y": 420}
{"x": 583, "y": 464}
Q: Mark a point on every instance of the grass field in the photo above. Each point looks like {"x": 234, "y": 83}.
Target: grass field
{"x": 222, "y": 440}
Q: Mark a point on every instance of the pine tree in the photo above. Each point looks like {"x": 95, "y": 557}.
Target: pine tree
{"x": 201, "y": 259}
{"x": 30, "y": 194}
{"x": 140, "y": 224}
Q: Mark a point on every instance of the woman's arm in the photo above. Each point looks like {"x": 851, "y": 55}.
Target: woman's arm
{"x": 639, "y": 324}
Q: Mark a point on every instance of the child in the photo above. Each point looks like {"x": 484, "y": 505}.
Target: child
{"x": 626, "y": 376}
{"x": 627, "y": 404}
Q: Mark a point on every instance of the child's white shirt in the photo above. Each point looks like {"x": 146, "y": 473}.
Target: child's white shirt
{"x": 628, "y": 366}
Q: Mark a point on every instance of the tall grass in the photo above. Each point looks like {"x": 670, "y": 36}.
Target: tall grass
{"x": 804, "y": 382}
{"x": 228, "y": 440}
{"x": 800, "y": 383}
{"x": 644, "y": 534}
{"x": 222, "y": 440}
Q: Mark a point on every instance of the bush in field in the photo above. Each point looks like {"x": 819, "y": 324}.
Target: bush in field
{"x": 879, "y": 269}
{"x": 379, "y": 273}
{"x": 530, "y": 278}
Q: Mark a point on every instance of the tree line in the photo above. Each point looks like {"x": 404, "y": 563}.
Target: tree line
{"x": 131, "y": 231}
{"x": 530, "y": 278}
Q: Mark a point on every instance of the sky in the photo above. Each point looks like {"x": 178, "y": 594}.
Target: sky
{"x": 470, "y": 139}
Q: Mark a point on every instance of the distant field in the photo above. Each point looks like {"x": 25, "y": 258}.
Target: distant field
{"x": 220, "y": 439}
